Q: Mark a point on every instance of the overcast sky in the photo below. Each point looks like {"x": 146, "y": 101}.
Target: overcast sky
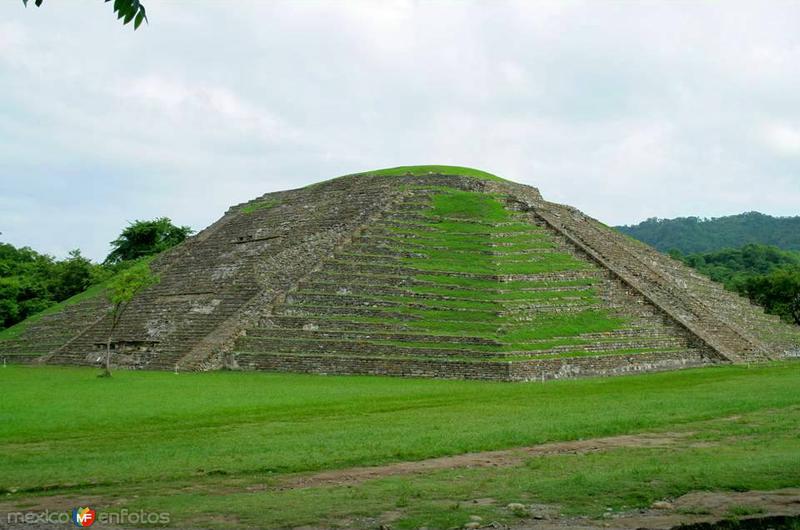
{"x": 625, "y": 110}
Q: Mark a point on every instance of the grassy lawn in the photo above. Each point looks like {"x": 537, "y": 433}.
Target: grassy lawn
{"x": 757, "y": 451}
{"x": 191, "y": 443}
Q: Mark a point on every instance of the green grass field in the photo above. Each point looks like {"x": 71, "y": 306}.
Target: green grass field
{"x": 212, "y": 449}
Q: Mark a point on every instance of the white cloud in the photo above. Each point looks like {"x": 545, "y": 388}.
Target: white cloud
{"x": 782, "y": 139}
{"x": 625, "y": 110}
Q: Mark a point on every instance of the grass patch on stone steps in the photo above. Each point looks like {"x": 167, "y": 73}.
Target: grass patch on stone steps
{"x": 468, "y": 244}
{"x": 563, "y": 325}
{"x": 504, "y": 296}
{"x": 464, "y": 204}
{"x": 265, "y": 204}
{"x": 473, "y": 264}
{"x": 476, "y": 283}
{"x": 425, "y": 237}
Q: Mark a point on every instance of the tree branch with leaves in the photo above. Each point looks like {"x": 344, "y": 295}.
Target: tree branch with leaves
{"x": 122, "y": 289}
{"x": 126, "y": 10}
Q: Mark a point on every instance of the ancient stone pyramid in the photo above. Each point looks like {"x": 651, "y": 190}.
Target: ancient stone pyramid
{"x": 434, "y": 271}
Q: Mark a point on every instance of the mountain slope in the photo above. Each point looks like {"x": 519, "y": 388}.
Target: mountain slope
{"x": 693, "y": 234}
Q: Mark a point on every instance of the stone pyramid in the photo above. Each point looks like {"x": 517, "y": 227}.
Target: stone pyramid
{"x": 434, "y": 271}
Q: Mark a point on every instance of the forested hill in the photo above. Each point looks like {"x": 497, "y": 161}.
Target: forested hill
{"x": 694, "y": 234}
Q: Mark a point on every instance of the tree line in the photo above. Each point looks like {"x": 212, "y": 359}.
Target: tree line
{"x": 696, "y": 234}
{"x": 767, "y": 275}
{"x": 31, "y": 282}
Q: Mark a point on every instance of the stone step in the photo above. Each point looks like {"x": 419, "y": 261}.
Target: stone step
{"x": 329, "y": 274}
{"x": 359, "y": 365}
{"x": 320, "y": 323}
{"x": 334, "y": 347}
{"x": 394, "y": 270}
{"x": 317, "y": 322}
{"x": 527, "y": 370}
{"x": 358, "y": 253}
{"x": 609, "y": 342}
{"x": 415, "y": 288}
{"x": 388, "y": 228}
{"x": 361, "y": 336}
{"x": 607, "y": 365}
{"x": 17, "y": 358}
{"x": 329, "y": 311}
{"x": 513, "y": 309}
{"x": 435, "y": 348}
{"x": 393, "y": 298}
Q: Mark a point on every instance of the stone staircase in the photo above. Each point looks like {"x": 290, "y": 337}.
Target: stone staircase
{"x": 729, "y": 324}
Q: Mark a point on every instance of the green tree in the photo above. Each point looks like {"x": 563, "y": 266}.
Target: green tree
{"x": 127, "y": 10}
{"x": 73, "y": 275}
{"x": 694, "y": 234}
{"x": 145, "y": 238}
{"x": 778, "y": 292}
{"x": 25, "y": 283}
{"x": 31, "y": 282}
{"x": 767, "y": 275}
{"x": 122, "y": 289}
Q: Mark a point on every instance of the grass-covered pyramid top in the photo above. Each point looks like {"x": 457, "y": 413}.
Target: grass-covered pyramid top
{"x": 418, "y": 171}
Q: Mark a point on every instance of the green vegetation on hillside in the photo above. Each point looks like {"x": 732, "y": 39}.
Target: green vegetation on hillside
{"x": 732, "y": 266}
{"x": 107, "y": 276}
{"x": 724, "y": 428}
{"x": 31, "y": 282}
{"x": 694, "y": 234}
{"x": 16, "y": 330}
{"x": 33, "y": 285}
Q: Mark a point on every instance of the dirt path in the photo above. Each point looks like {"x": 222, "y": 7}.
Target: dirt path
{"x": 504, "y": 458}
{"x": 693, "y": 508}
{"x": 357, "y": 475}
{"x": 690, "y": 509}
